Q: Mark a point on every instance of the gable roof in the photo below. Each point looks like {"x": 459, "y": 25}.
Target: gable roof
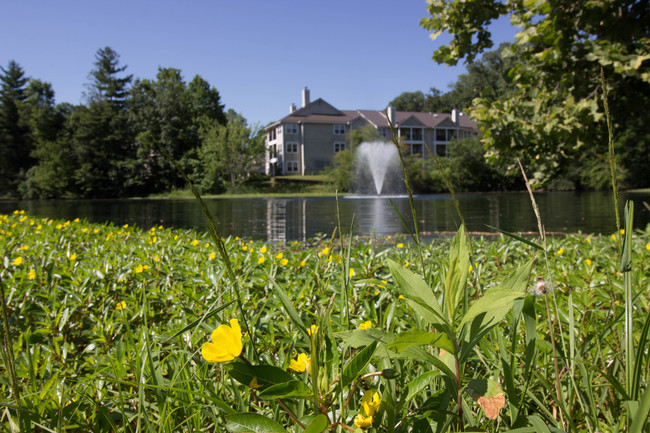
{"x": 320, "y": 111}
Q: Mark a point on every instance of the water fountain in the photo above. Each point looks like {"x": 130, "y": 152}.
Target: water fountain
{"x": 378, "y": 169}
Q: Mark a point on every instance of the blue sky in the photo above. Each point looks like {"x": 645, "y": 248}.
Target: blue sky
{"x": 259, "y": 54}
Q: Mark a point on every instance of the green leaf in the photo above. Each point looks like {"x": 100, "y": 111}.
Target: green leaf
{"x": 538, "y": 424}
{"x": 202, "y": 319}
{"x": 419, "y": 383}
{"x": 293, "y": 314}
{"x": 357, "y": 364}
{"x": 418, "y": 337}
{"x": 418, "y": 294}
{"x": 456, "y": 279}
{"x": 318, "y": 425}
{"x": 495, "y": 304}
{"x": 265, "y": 375}
{"x": 252, "y": 423}
{"x": 292, "y": 389}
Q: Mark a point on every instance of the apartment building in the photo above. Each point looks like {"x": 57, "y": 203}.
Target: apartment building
{"x": 305, "y": 141}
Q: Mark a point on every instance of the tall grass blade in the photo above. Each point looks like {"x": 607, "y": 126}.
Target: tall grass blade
{"x": 517, "y": 237}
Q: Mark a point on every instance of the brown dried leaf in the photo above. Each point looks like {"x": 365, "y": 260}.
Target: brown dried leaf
{"x": 492, "y": 405}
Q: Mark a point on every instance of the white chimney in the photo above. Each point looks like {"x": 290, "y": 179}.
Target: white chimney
{"x": 292, "y": 108}
{"x": 454, "y": 116}
{"x": 391, "y": 114}
{"x": 305, "y": 97}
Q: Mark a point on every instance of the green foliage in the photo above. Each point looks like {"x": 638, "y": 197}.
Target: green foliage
{"x": 81, "y": 364}
{"x": 554, "y": 114}
{"x": 342, "y": 170}
{"x": 230, "y": 153}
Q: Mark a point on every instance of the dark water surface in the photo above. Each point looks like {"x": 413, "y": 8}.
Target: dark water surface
{"x": 298, "y": 218}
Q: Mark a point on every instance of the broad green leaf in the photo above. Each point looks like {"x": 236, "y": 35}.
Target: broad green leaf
{"x": 538, "y": 424}
{"x": 456, "y": 279}
{"x": 318, "y": 425}
{"x": 418, "y": 384}
{"x": 357, "y": 364}
{"x": 292, "y": 389}
{"x": 264, "y": 375}
{"x": 640, "y": 417}
{"x": 252, "y": 423}
{"x": 495, "y": 304}
{"x": 418, "y": 293}
{"x": 417, "y": 337}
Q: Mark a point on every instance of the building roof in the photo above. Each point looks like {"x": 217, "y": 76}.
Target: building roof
{"x": 320, "y": 111}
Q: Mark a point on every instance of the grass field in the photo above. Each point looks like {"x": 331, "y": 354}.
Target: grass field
{"x": 105, "y": 330}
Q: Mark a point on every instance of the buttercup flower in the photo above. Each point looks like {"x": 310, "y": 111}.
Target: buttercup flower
{"x": 138, "y": 269}
{"x": 560, "y": 251}
{"x": 261, "y": 260}
{"x": 302, "y": 363}
{"x": 588, "y": 262}
{"x": 120, "y": 306}
{"x": 263, "y": 249}
{"x": 647, "y": 246}
{"x": 279, "y": 256}
{"x": 284, "y": 262}
{"x": 400, "y": 245}
{"x": 351, "y": 274}
{"x": 31, "y": 274}
{"x": 369, "y": 406}
{"x": 312, "y": 330}
{"x": 17, "y": 261}
{"x": 366, "y": 325}
{"x": 226, "y": 343}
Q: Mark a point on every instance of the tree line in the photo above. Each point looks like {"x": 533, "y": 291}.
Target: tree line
{"x": 109, "y": 146}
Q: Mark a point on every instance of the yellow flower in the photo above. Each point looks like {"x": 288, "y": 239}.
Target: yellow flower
{"x": 589, "y": 240}
{"x": 362, "y": 421}
{"x": 59, "y": 226}
{"x": 622, "y": 231}
{"x": 366, "y": 325}
{"x": 614, "y": 236}
{"x": 138, "y": 269}
{"x": 212, "y": 256}
{"x": 31, "y": 274}
{"x": 261, "y": 260}
{"x": 560, "y": 251}
{"x": 156, "y": 259}
{"x": 369, "y": 406}
{"x": 73, "y": 257}
{"x": 647, "y": 246}
{"x": 120, "y": 306}
{"x": 245, "y": 248}
{"x": 400, "y": 245}
{"x": 351, "y": 273}
{"x": 263, "y": 249}
{"x": 313, "y": 329}
{"x": 324, "y": 252}
{"x": 17, "y": 261}
{"x": 407, "y": 264}
{"x": 226, "y": 343}
{"x": 401, "y": 297}
{"x": 470, "y": 268}
{"x": 303, "y": 263}
{"x": 370, "y": 402}
{"x": 302, "y": 363}
{"x": 24, "y": 248}
{"x": 279, "y": 256}
{"x": 284, "y": 262}
{"x": 195, "y": 242}
{"x": 588, "y": 262}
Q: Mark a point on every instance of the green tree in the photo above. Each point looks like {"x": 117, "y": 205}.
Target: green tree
{"x": 230, "y": 153}
{"x": 103, "y": 142}
{"x": 15, "y": 143}
{"x": 556, "y": 113}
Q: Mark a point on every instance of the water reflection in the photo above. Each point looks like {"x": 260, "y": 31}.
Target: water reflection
{"x": 299, "y": 218}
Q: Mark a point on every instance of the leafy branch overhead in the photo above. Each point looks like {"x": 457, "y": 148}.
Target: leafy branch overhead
{"x": 553, "y": 115}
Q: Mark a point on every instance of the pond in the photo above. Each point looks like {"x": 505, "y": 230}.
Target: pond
{"x": 299, "y": 218}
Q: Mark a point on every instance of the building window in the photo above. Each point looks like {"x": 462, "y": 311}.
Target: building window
{"x": 417, "y": 149}
{"x": 441, "y": 134}
{"x": 451, "y": 134}
{"x": 271, "y": 135}
{"x": 339, "y": 129}
{"x": 339, "y": 147}
{"x": 383, "y": 132}
{"x": 292, "y": 147}
{"x": 278, "y": 130}
{"x": 291, "y": 128}
{"x": 441, "y": 149}
{"x": 292, "y": 166}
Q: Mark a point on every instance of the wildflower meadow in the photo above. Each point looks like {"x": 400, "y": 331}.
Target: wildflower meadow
{"x": 131, "y": 329}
